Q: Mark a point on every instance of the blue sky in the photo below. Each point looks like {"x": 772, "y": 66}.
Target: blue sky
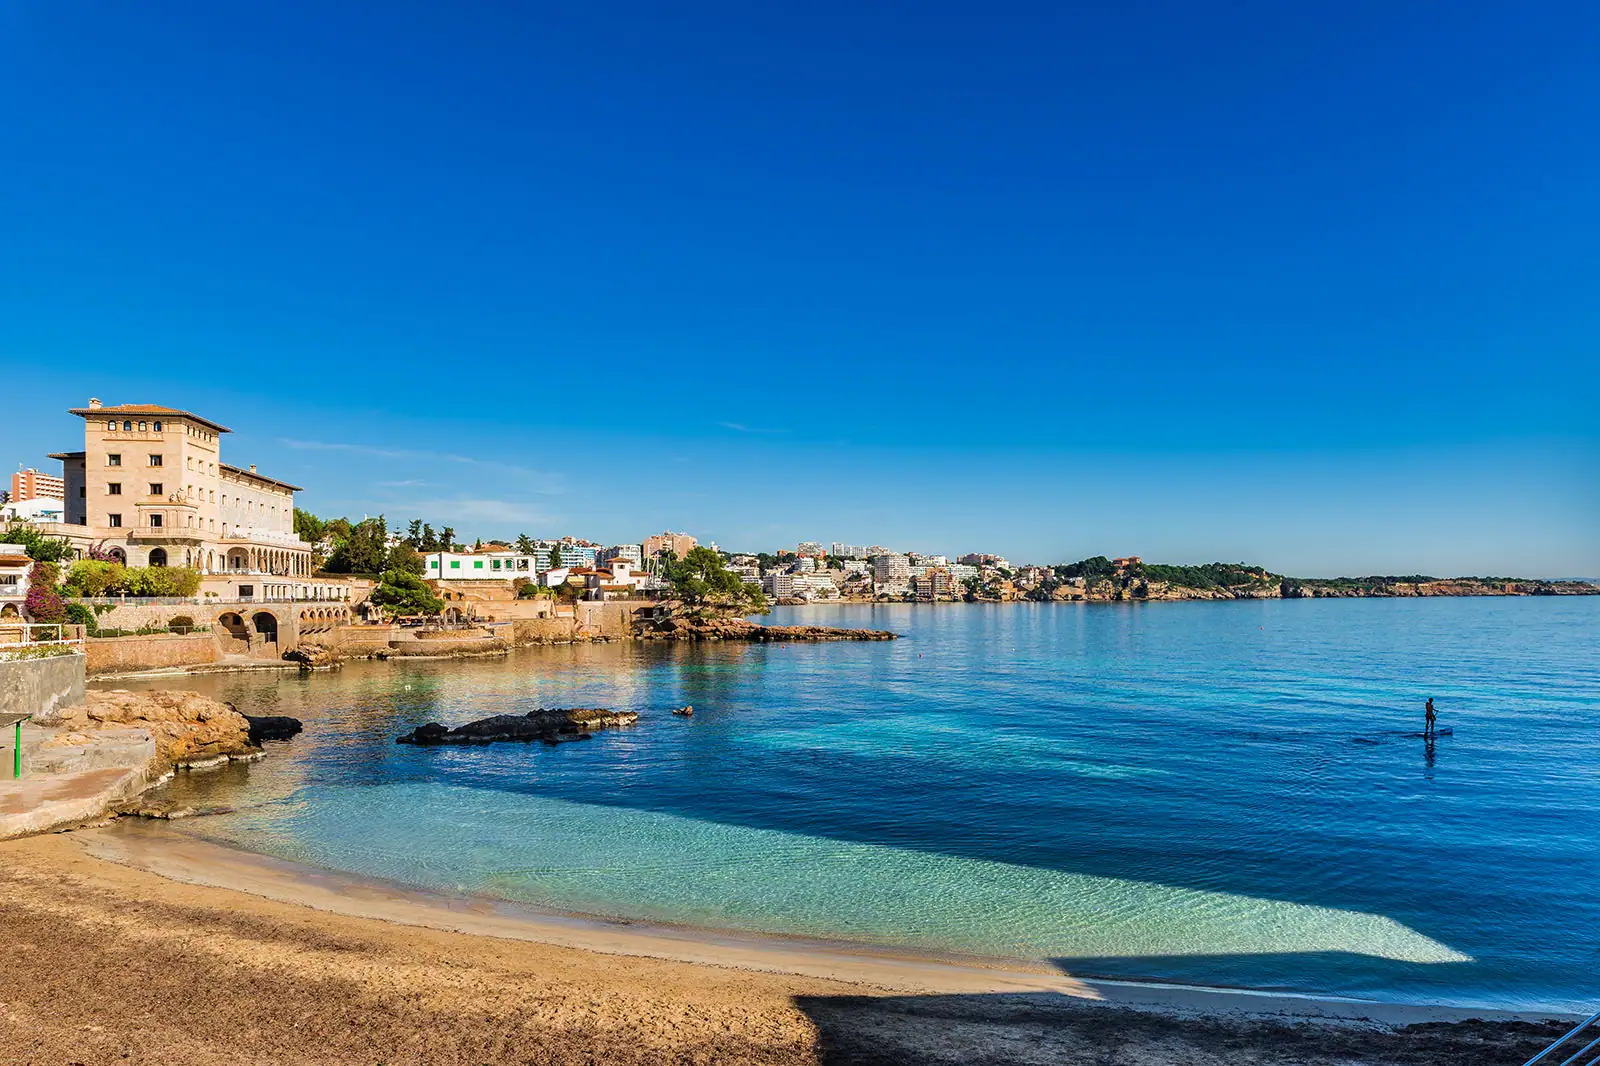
{"x": 1312, "y": 285}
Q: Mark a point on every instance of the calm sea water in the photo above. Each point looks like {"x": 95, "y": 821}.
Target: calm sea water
{"x": 1221, "y": 793}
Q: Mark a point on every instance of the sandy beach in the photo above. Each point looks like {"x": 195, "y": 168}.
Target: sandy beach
{"x": 151, "y": 959}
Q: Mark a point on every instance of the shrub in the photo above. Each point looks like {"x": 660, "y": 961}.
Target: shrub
{"x": 162, "y": 581}
{"x": 95, "y": 577}
{"x": 80, "y": 615}
{"x": 38, "y": 546}
{"x": 43, "y": 603}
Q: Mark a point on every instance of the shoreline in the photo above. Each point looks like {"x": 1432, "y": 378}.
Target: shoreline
{"x": 108, "y": 963}
{"x": 190, "y": 858}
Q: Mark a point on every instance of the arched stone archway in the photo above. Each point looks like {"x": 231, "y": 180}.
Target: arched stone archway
{"x": 266, "y": 625}
{"x": 158, "y": 557}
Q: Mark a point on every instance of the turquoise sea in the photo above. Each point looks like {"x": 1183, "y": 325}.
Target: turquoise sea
{"x": 1218, "y": 793}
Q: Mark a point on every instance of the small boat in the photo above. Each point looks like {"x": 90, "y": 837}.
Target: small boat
{"x": 684, "y": 712}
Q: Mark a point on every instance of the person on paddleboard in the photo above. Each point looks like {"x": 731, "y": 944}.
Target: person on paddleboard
{"x": 1430, "y": 719}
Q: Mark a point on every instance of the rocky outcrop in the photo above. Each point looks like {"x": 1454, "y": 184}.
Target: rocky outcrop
{"x": 313, "y": 656}
{"x": 190, "y": 730}
{"x": 551, "y": 725}
{"x": 743, "y": 629}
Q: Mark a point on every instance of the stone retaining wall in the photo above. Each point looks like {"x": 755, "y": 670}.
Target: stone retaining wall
{"x": 41, "y": 686}
{"x": 113, "y": 655}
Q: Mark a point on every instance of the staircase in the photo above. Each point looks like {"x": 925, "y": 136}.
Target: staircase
{"x": 1576, "y": 1045}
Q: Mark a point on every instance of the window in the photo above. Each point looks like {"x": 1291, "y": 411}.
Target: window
{"x": 455, "y": 564}
{"x": 113, "y": 520}
{"x": 127, "y": 427}
{"x": 113, "y": 459}
{"x": 522, "y": 564}
{"x": 477, "y": 564}
{"x": 158, "y": 427}
{"x": 111, "y": 427}
{"x": 497, "y": 564}
{"x": 191, "y": 462}
{"x": 155, "y": 488}
{"x": 155, "y": 460}
{"x": 142, "y": 427}
{"x": 433, "y": 564}
{"x": 155, "y": 521}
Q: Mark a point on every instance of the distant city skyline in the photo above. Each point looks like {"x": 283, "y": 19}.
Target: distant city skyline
{"x": 1053, "y": 284}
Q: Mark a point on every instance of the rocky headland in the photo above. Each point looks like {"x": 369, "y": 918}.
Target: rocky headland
{"x": 551, "y": 725}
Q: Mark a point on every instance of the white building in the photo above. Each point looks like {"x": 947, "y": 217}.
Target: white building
{"x": 38, "y": 509}
{"x": 809, "y": 547}
{"x": 628, "y": 553}
{"x": 478, "y": 566}
{"x": 849, "y": 551}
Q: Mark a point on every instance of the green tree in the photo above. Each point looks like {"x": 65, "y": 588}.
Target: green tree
{"x": 525, "y": 545}
{"x": 430, "y": 540}
{"x": 404, "y": 593}
{"x": 414, "y": 533}
{"x": 404, "y": 558}
{"x": 308, "y": 527}
{"x": 364, "y": 551}
{"x": 555, "y": 556}
{"x": 39, "y": 547}
{"x": 702, "y": 579}
{"x": 447, "y": 539}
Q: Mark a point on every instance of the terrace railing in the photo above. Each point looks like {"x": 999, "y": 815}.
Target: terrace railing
{"x": 35, "y": 634}
{"x": 1577, "y": 1046}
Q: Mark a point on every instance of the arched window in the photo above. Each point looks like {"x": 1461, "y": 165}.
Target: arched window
{"x": 142, "y": 427}
{"x": 158, "y": 557}
{"x": 156, "y": 426}
{"x": 127, "y": 427}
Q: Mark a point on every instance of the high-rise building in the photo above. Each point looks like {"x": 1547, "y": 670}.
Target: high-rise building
{"x": 29, "y": 484}
{"x": 809, "y": 548}
{"x": 849, "y": 551}
{"x": 679, "y": 544}
{"x": 891, "y": 569}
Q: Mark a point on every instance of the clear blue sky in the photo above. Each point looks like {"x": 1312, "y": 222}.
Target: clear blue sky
{"x": 1311, "y": 285}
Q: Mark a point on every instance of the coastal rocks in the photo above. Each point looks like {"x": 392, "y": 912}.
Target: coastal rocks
{"x": 313, "y": 656}
{"x": 190, "y": 730}
{"x": 551, "y": 725}
{"x": 272, "y": 727}
{"x": 741, "y": 629}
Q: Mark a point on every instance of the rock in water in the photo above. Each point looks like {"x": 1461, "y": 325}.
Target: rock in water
{"x": 553, "y": 724}
{"x": 271, "y": 727}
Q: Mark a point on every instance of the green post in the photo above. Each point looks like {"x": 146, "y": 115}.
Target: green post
{"x": 16, "y": 754}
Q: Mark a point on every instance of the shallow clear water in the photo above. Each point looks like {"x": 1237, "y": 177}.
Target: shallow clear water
{"x": 1220, "y": 793}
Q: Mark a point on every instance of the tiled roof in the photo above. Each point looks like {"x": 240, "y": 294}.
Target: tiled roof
{"x": 147, "y": 409}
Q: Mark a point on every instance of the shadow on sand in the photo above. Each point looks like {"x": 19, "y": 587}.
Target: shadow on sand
{"x": 1051, "y": 1029}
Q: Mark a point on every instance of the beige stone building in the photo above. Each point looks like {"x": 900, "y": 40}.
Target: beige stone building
{"x": 150, "y": 486}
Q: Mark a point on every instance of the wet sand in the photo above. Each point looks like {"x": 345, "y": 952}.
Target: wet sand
{"x": 183, "y": 952}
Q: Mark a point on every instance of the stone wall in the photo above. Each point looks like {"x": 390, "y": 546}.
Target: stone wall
{"x": 109, "y": 655}
{"x": 41, "y": 686}
{"x": 137, "y": 616}
{"x": 613, "y": 619}
{"x": 544, "y": 630}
